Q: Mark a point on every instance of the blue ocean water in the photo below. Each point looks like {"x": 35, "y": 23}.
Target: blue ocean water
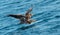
{"x": 45, "y": 12}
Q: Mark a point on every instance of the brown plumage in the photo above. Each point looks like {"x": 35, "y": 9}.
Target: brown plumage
{"x": 22, "y": 18}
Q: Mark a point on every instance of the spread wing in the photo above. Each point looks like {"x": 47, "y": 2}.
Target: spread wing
{"x": 16, "y": 16}
{"x": 29, "y": 11}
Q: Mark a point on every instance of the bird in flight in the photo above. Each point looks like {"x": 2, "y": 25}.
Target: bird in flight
{"x": 24, "y": 18}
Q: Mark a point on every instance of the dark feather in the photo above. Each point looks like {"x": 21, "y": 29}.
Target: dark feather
{"x": 16, "y": 16}
{"x": 29, "y": 11}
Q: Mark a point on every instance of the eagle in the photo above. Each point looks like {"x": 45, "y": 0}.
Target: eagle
{"x": 26, "y": 18}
